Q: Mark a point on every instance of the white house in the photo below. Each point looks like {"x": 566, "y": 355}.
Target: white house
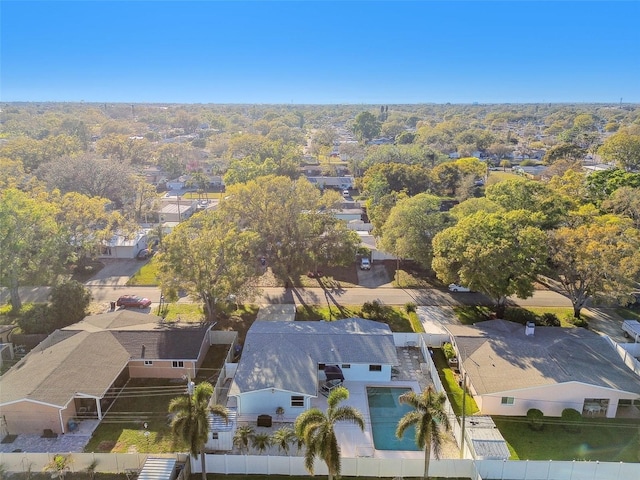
{"x": 511, "y": 368}
{"x": 339, "y": 183}
{"x": 122, "y": 246}
{"x": 282, "y": 363}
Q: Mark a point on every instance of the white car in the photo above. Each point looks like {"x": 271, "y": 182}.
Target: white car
{"x": 365, "y": 264}
{"x": 458, "y": 288}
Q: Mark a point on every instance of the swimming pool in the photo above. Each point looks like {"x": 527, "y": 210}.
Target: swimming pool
{"x": 385, "y": 410}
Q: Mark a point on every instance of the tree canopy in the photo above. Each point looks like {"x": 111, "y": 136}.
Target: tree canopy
{"x": 291, "y": 219}
{"x": 209, "y": 258}
{"x": 412, "y": 223}
{"x": 497, "y": 254}
{"x": 33, "y": 250}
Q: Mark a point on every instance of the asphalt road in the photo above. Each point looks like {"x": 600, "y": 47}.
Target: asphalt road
{"x": 603, "y": 320}
{"x": 318, "y": 296}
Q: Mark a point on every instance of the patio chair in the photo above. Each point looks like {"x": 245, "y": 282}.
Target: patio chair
{"x": 329, "y": 385}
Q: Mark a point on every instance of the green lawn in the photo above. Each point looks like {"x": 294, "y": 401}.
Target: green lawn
{"x": 147, "y": 275}
{"x": 451, "y": 386}
{"x": 394, "y": 316}
{"x": 628, "y": 313}
{"x": 122, "y": 429}
{"x": 606, "y": 440}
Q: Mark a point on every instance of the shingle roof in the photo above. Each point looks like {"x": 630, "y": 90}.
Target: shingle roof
{"x": 88, "y": 356}
{"x": 66, "y": 364}
{"x": 285, "y": 355}
{"x": 498, "y": 357}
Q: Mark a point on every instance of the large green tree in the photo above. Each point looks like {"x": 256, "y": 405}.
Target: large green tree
{"x": 498, "y": 254}
{"x": 317, "y": 431}
{"x": 598, "y": 257}
{"x": 210, "y": 259}
{"x": 411, "y": 226}
{"x": 366, "y": 126}
{"x": 292, "y": 219}
{"x": 32, "y": 249}
{"x": 429, "y": 419}
{"x": 191, "y": 419}
{"x": 622, "y": 148}
{"x": 86, "y": 222}
{"x": 535, "y": 197}
{"x": 413, "y": 179}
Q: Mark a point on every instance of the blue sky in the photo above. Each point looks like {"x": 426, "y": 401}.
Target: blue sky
{"x": 320, "y": 52}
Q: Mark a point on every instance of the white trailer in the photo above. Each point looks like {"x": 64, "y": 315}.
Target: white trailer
{"x": 631, "y": 329}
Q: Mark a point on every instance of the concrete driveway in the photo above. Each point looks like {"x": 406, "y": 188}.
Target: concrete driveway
{"x": 116, "y": 271}
{"x": 376, "y": 277}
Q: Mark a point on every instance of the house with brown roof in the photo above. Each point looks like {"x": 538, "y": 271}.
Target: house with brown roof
{"x": 511, "y": 368}
{"x": 77, "y": 371}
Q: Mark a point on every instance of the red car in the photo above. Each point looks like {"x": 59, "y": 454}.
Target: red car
{"x": 128, "y": 301}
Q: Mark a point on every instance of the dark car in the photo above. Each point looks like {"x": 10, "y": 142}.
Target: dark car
{"x": 133, "y": 301}
{"x": 144, "y": 254}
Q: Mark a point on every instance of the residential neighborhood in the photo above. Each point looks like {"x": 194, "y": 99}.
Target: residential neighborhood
{"x": 351, "y": 280}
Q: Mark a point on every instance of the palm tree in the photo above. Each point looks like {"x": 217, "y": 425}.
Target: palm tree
{"x": 191, "y": 419}
{"x": 242, "y": 436}
{"x": 427, "y": 418}
{"x": 283, "y": 438}
{"x": 316, "y": 430}
{"x": 261, "y": 441}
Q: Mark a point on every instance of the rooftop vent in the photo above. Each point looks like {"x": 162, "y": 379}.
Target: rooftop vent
{"x": 529, "y": 328}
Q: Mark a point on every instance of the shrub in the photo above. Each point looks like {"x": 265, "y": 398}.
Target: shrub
{"x": 520, "y": 315}
{"x": 69, "y": 303}
{"x": 373, "y": 310}
{"x": 535, "y": 418}
{"x": 35, "y": 318}
{"x": 578, "y": 322}
{"x": 410, "y": 307}
{"x": 571, "y": 420}
{"x": 449, "y": 351}
{"x": 549, "y": 320}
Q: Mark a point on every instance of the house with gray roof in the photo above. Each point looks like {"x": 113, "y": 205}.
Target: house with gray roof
{"x": 511, "y": 368}
{"x": 75, "y": 372}
{"x": 282, "y": 363}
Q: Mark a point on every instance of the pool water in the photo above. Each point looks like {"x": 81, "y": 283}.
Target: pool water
{"x": 385, "y": 410}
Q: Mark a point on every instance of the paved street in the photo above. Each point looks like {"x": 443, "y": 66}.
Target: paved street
{"x": 317, "y": 296}
{"x": 603, "y": 319}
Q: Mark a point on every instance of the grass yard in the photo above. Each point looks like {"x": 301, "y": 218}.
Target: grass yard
{"x": 147, "y": 275}
{"x": 182, "y": 312}
{"x": 470, "y": 314}
{"x": 396, "y": 317}
{"x": 451, "y": 386}
{"x": 122, "y": 429}
{"x": 606, "y": 440}
{"x": 628, "y": 313}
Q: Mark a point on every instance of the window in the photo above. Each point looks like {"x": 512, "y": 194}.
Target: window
{"x": 346, "y": 365}
{"x": 375, "y": 368}
{"x": 321, "y": 366}
{"x": 148, "y": 362}
{"x": 297, "y": 401}
{"x": 214, "y": 435}
{"x": 507, "y": 401}
{"x": 177, "y": 364}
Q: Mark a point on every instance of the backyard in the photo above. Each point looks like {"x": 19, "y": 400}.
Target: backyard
{"x": 147, "y": 401}
{"x": 603, "y": 439}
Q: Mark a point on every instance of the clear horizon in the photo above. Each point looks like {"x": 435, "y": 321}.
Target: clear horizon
{"x": 320, "y": 52}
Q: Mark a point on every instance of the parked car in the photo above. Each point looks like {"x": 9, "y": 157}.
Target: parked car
{"x": 458, "y": 288}
{"x": 346, "y": 193}
{"x": 144, "y": 254}
{"x": 365, "y": 264}
{"x": 133, "y": 301}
